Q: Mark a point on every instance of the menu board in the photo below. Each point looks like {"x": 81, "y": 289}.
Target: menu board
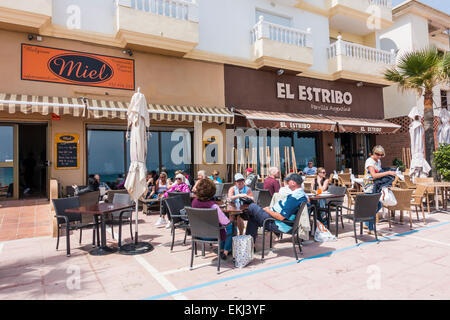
{"x": 67, "y": 150}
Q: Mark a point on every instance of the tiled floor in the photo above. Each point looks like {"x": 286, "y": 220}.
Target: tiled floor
{"x": 25, "y": 219}
{"x": 403, "y": 265}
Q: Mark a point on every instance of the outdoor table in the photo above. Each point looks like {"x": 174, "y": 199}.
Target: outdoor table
{"x": 315, "y": 198}
{"x": 231, "y": 209}
{"x": 146, "y": 204}
{"x": 439, "y": 185}
{"x": 100, "y": 209}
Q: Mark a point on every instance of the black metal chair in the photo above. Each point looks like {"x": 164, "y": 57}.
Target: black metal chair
{"x": 332, "y": 204}
{"x": 264, "y": 198}
{"x": 295, "y": 224}
{"x": 185, "y": 195}
{"x": 366, "y": 207}
{"x": 175, "y": 205}
{"x": 71, "y": 221}
{"x": 226, "y": 187}
{"x": 256, "y": 196}
{"x": 219, "y": 191}
{"x": 259, "y": 186}
{"x": 121, "y": 198}
{"x": 205, "y": 228}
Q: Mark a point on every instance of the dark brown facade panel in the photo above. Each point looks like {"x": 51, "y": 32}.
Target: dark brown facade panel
{"x": 261, "y": 90}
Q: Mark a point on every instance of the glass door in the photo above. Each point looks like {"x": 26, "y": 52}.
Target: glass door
{"x": 8, "y": 162}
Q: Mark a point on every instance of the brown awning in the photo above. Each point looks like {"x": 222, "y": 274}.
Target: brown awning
{"x": 287, "y": 121}
{"x": 370, "y": 126}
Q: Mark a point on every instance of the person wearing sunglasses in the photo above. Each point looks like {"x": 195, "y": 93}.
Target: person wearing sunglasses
{"x": 321, "y": 182}
{"x": 372, "y": 172}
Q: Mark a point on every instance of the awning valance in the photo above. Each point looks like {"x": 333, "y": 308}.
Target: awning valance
{"x": 307, "y": 122}
{"x": 372, "y": 126}
{"x": 287, "y": 121}
{"x": 94, "y": 108}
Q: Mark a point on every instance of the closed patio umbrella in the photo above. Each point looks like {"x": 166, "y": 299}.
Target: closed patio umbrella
{"x": 419, "y": 166}
{"x": 443, "y": 133}
{"x": 136, "y": 184}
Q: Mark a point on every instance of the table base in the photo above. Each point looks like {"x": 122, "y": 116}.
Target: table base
{"x": 102, "y": 251}
{"x": 136, "y": 248}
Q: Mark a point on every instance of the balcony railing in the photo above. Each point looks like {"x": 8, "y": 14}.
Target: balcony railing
{"x": 357, "y": 51}
{"x": 383, "y": 3}
{"x": 178, "y": 9}
{"x": 279, "y": 33}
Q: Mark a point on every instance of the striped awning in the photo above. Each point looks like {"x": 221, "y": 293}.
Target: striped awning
{"x": 12, "y": 103}
{"x": 93, "y": 108}
{"x": 358, "y": 125}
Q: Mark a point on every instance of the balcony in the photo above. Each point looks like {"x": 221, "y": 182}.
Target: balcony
{"x": 280, "y": 47}
{"x": 25, "y": 16}
{"x": 159, "y": 26}
{"x": 359, "y": 63}
{"x": 360, "y": 17}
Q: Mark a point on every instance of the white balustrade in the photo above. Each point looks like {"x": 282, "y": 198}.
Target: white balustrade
{"x": 279, "y": 33}
{"x": 357, "y": 51}
{"x": 179, "y": 9}
{"x": 384, "y": 3}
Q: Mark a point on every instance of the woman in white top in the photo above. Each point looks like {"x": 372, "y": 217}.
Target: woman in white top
{"x": 372, "y": 171}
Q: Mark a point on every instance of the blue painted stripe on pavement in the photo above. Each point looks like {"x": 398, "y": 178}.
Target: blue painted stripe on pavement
{"x": 210, "y": 283}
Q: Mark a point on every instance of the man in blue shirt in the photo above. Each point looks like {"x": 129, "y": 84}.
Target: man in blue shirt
{"x": 310, "y": 170}
{"x": 283, "y": 210}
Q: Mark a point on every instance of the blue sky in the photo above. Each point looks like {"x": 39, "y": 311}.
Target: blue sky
{"x": 442, "y": 5}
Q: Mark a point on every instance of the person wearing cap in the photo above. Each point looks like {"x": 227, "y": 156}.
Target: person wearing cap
{"x": 215, "y": 177}
{"x": 238, "y": 191}
{"x": 282, "y": 210}
{"x": 251, "y": 179}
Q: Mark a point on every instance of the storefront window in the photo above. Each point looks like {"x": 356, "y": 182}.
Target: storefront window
{"x": 106, "y": 154}
{"x": 6, "y": 147}
{"x": 304, "y": 145}
{"x": 6, "y": 182}
{"x": 109, "y": 153}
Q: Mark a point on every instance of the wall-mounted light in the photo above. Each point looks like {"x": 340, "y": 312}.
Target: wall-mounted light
{"x": 280, "y": 72}
{"x": 30, "y": 37}
{"x": 359, "y": 84}
{"x": 330, "y": 146}
{"x": 129, "y": 52}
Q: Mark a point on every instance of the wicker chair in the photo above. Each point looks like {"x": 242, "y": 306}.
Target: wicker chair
{"x": 403, "y": 197}
{"x": 417, "y": 201}
{"x": 429, "y": 191}
{"x": 409, "y": 182}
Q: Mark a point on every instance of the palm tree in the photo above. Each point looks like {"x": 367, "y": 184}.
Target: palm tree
{"x": 421, "y": 71}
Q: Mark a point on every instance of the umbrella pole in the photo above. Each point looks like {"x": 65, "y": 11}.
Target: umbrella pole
{"x": 137, "y": 220}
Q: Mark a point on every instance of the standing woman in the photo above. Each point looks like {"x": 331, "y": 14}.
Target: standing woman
{"x": 372, "y": 172}
{"x": 237, "y": 192}
{"x": 321, "y": 182}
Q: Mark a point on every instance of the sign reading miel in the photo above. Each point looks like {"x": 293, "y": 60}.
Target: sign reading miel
{"x": 78, "y": 68}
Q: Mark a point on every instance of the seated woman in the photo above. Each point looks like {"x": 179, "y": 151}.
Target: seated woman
{"x": 179, "y": 186}
{"x": 321, "y": 182}
{"x": 158, "y": 188}
{"x": 92, "y": 186}
{"x": 200, "y": 176}
{"x": 237, "y": 192}
{"x": 215, "y": 177}
{"x": 204, "y": 195}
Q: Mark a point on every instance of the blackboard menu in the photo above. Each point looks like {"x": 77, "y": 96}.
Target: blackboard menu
{"x": 66, "y": 151}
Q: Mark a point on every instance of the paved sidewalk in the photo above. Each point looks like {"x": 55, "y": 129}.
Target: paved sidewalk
{"x": 25, "y": 219}
{"x": 403, "y": 265}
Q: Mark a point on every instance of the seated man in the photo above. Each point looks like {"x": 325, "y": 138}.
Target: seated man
{"x": 283, "y": 210}
{"x": 310, "y": 170}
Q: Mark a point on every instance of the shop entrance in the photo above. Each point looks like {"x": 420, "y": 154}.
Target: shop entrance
{"x": 351, "y": 151}
{"x": 32, "y": 160}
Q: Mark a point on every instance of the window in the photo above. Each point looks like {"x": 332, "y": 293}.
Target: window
{"x": 305, "y": 146}
{"x": 444, "y": 99}
{"x": 109, "y": 153}
{"x": 272, "y": 18}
